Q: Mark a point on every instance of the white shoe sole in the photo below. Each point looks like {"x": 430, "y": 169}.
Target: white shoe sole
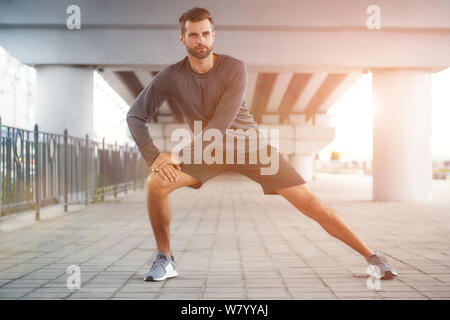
{"x": 168, "y": 275}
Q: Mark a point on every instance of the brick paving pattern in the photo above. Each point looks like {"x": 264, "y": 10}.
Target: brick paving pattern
{"x": 232, "y": 242}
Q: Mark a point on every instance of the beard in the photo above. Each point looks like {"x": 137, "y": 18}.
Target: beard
{"x": 200, "y": 53}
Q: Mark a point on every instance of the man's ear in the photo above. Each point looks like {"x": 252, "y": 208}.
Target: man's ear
{"x": 181, "y": 38}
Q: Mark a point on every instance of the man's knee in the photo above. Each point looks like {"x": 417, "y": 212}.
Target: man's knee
{"x": 157, "y": 186}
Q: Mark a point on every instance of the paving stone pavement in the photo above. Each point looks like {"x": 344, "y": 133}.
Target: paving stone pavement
{"x": 230, "y": 241}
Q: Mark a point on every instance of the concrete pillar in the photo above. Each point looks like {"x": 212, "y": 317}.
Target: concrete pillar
{"x": 304, "y": 164}
{"x": 402, "y": 166}
{"x": 64, "y": 99}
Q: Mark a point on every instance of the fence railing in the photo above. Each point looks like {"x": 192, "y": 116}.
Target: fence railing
{"x": 41, "y": 168}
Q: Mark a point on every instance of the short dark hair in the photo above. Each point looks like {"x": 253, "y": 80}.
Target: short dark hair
{"x": 195, "y": 14}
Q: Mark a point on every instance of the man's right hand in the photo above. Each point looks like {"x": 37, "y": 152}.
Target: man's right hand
{"x": 169, "y": 172}
{"x": 167, "y": 165}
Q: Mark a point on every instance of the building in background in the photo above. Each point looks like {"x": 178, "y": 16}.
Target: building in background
{"x": 17, "y": 99}
{"x": 17, "y": 92}
{"x": 109, "y": 114}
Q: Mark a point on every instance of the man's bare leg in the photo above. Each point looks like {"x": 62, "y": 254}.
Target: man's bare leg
{"x": 310, "y": 205}
{"x": 158, "y": 207}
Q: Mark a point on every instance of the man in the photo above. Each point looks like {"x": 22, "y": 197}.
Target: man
{"x": 209, "y": 87}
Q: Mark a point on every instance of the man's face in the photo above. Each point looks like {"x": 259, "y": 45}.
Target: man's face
{"x": 198, "y": 38}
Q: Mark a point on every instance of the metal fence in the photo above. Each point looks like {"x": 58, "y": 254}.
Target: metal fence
{"x": 40, "y": 168}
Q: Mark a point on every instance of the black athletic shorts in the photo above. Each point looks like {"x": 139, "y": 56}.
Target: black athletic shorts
{"x": 285, "y": 177}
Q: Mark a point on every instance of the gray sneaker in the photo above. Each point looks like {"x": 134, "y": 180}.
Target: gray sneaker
{"x": 381, "y": 268}
{"x": 162, "y": 268}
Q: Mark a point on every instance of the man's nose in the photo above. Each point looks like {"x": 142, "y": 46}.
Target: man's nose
{"x": 202, "y": 39}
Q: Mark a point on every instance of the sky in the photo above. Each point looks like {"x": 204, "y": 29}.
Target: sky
{"x": 107, "y": 101}
{"x": 352, "y": 118}
{"x": 351, "y": 115}
{"x": 440, "y": 95}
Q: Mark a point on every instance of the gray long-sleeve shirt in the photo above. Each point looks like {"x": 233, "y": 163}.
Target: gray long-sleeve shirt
{"x": 216, "y": 98}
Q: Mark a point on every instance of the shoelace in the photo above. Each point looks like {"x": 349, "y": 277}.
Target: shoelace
{"x": 381, "y": 259}
{"x": 154, "y": 262}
